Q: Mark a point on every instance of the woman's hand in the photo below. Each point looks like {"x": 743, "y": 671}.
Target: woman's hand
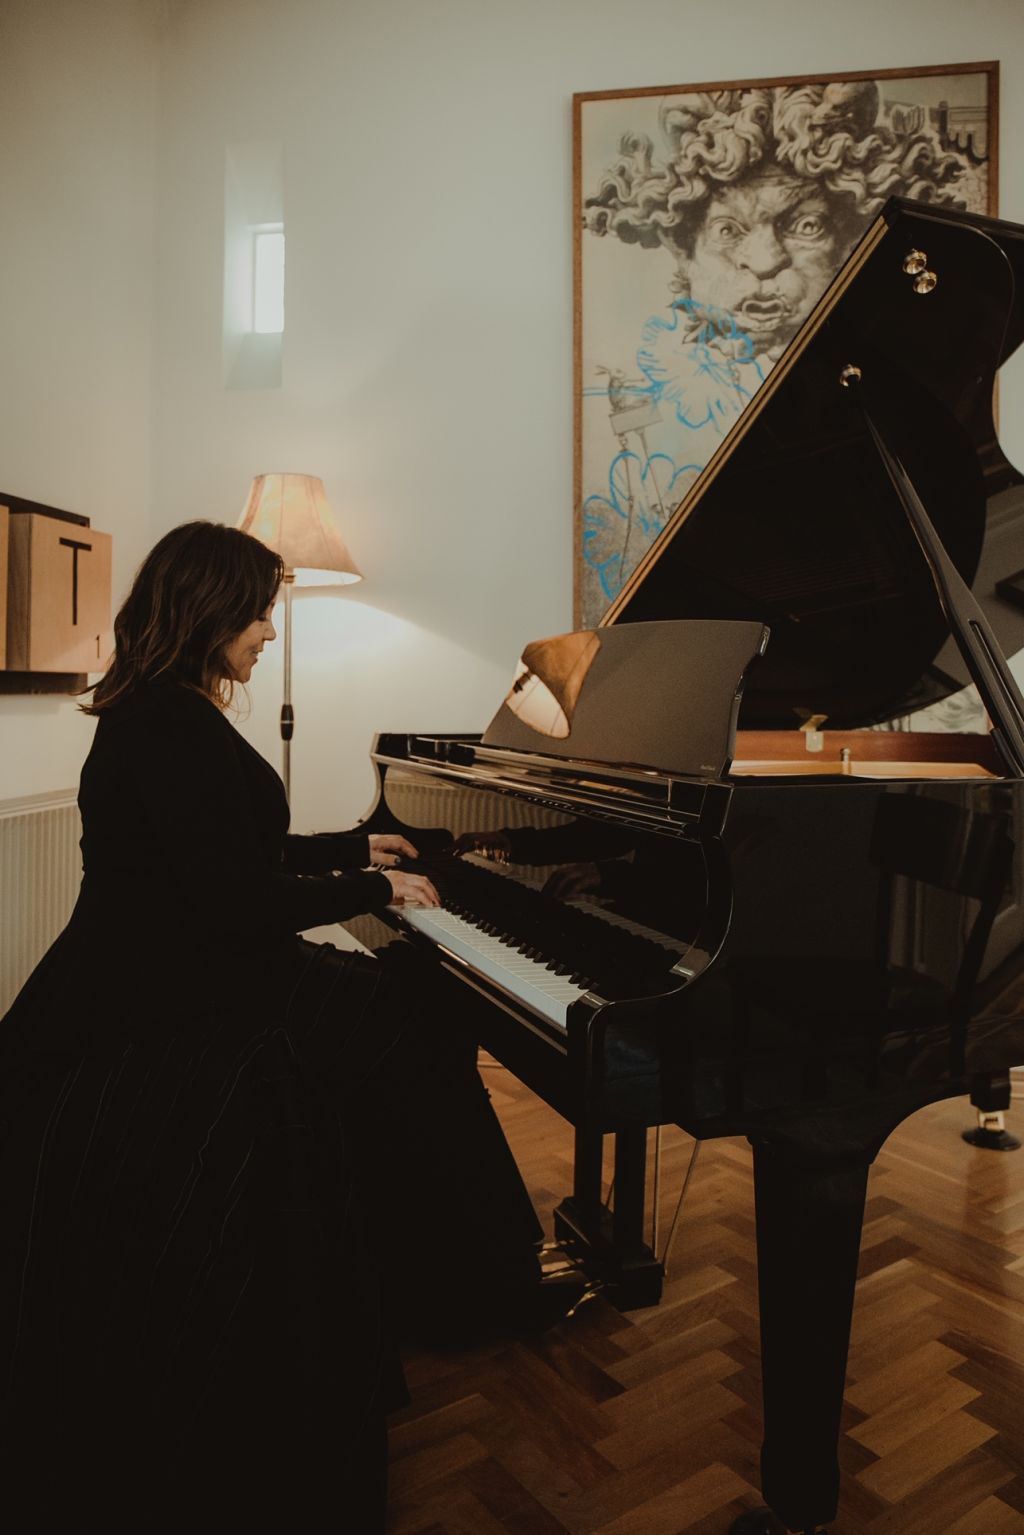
{"x": 489, "y": 844}
{"x": 387, "y": 848}
{"x": 573, "y": 880}
{"x": 411, "y": 889}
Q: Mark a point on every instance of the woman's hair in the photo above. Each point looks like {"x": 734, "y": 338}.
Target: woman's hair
{"x": 200, "y": 586}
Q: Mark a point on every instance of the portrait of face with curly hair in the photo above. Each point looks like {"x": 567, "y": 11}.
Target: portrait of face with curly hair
{"x": 711, "y": 221}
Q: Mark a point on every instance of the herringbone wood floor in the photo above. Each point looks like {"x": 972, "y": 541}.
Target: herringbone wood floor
{"x": 649, "y": 1423}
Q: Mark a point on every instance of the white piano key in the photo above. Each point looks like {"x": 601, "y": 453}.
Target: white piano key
{"x": 532, "y": 983}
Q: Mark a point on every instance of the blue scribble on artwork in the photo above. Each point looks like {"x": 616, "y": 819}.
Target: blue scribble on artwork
{"x": 700, "y": 361}
{"x": 701, "y": 371}
{"x": 606, "y": 518}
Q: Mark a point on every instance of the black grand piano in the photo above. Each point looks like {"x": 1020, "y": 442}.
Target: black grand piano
{"x": 687, "y": 879}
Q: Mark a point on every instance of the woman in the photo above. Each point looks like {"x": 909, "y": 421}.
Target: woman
{"x": 221, "y": 1146}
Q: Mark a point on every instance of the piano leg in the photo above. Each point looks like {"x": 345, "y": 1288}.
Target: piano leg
{"x": 610, "y": 1245}
{"x": 809, "y": 1210}
{"x": 990, "y": 1096}
{"x": 630, "y": 1184}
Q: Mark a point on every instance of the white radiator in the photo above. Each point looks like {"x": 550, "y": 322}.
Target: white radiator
{"x": 40, "y": 872}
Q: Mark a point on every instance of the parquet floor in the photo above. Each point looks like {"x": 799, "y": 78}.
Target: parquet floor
{"x": 649, "y": 1423}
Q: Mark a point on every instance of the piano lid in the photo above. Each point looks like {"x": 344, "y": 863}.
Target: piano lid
{"x": 795, "y": 523}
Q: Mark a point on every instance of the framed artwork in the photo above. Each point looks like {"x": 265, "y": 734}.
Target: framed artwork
{"x": 709, "y": 221}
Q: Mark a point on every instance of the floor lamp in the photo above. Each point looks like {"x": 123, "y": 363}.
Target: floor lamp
{"x": 290, "y": 513}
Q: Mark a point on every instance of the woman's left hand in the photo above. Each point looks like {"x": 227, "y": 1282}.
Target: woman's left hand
{"x": 388, "y": 848}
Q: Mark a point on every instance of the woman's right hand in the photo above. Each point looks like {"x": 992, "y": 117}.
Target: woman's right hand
{"x": 410, "y": 889}
{"x": 494, "y": 845}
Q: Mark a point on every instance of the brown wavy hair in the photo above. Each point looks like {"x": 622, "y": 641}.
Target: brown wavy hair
{"x": 198, "y": 588}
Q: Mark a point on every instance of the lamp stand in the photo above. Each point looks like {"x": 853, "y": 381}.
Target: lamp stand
{"x": 287, "y": 712}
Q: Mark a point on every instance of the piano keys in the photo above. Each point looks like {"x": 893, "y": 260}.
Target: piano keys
{"x": 810, "y": 909}
{"x": 540, "y": 986}
{"x": 544, "y": 951}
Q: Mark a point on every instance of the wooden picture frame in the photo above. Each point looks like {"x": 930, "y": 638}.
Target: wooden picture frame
{"x": 709, "y": 219}
{"x": 5, "y": 524}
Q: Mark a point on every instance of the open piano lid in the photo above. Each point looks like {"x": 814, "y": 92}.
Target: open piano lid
{"x": 795, "y": 523}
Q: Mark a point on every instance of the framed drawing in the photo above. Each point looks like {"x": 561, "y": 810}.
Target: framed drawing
{"x": 709, "y": 221}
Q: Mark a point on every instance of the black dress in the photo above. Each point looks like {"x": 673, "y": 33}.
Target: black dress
{"x": 225, "y": 1154}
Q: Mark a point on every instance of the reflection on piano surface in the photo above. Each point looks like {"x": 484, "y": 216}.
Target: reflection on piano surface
{"x": 694, "y": 887}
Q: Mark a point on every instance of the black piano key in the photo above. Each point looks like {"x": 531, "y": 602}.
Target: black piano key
{"x": 565, "y": 939}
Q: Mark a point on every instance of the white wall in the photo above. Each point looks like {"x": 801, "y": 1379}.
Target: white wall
{"x": 427, "y": 360}
{"x": 77, "y": 221}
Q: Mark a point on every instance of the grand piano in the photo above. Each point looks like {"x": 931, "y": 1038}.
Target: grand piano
{"x": 701, "y": 869}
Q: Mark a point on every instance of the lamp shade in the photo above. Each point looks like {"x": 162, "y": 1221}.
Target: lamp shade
{"x": 290, "y": 513}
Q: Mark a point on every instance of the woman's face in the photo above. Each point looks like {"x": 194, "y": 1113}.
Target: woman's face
{"x": 242, "y": 652}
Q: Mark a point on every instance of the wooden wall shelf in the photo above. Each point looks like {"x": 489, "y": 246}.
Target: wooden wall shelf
{"x": 56, "y": 593}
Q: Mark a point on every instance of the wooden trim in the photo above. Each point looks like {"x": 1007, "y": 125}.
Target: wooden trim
{"x": 854, "y": 767}
{"x": 20, "y": 504}
{"x": 18, "y": 588}
{"x": 577, "y": 356}
{"x": 924, "y": 753}
{"x": 65, "y": 684}
{"x": 878, "y": 745}
{"x": 912, "y": 72}
{"x": 5, "y": 521}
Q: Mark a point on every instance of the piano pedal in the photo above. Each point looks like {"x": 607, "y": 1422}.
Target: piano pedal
{"x": 592, "y": 1291}
{"x": 554, "y": 1300}
{"x": 990, "y": 1133}
{"x": 554, "y": 1258}
{"x": 558, "y": 1268}
{"x": 556, "y": 1263}
{"x": 553, "y": 1267}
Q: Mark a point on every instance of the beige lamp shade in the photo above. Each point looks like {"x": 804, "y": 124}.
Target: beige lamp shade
{"x": 290, "y": 513}
{"x": 548, "y": 681}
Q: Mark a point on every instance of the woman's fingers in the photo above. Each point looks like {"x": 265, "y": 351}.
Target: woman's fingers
{"x": 388, "y": 847}
{"x": 412, "y": 890}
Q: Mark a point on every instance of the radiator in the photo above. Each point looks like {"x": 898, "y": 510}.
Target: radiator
{"x": 40, "y": 872}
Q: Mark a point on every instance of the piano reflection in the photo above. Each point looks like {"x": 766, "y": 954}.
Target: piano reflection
{"x": 688, "y": 880}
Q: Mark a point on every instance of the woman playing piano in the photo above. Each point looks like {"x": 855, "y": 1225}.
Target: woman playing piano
{"x": 224, "y": 1151}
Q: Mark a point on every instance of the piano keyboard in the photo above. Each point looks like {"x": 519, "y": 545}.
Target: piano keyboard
{"x": 547, "y": 953}
{"x": 531, "y": 981}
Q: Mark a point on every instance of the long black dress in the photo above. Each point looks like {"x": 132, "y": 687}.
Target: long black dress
{"x": 223, "y": 1152}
